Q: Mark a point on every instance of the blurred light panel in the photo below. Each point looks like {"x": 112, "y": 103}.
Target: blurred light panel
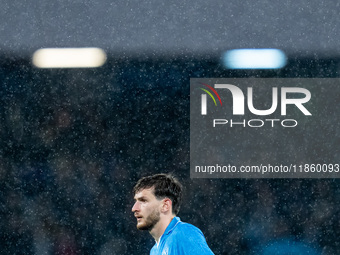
{"x": 69, "y": 58}
{"x": 254, "y": 59}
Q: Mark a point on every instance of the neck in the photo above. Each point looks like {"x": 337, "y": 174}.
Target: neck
{"x": 158, "y": 230}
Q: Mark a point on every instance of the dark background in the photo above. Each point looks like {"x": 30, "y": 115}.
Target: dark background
{"x": 75, "y": 141}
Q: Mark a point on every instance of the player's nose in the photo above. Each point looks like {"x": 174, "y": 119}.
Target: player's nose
{"x": 135, "y": 207}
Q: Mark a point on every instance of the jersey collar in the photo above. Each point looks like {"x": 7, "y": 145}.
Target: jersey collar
{"x": 169, "y": 228}
{"x": 172, "y": 225}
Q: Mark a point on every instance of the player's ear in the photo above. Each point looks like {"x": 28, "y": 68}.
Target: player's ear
{"x": 167, "y": 205}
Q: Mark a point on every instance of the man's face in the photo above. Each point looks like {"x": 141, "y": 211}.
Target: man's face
{"x": 146, "y": 209}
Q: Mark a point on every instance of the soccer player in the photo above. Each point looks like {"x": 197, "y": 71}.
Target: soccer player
{"x": 157, "y": 202}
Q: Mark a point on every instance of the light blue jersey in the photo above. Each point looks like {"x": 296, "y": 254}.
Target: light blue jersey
{"x": 181, "y": 238}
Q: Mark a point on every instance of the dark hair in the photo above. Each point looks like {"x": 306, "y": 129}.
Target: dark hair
{"x": 165, "y": 185}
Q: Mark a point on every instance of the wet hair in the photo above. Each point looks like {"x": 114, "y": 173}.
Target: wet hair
{"x": 165, "y": 186}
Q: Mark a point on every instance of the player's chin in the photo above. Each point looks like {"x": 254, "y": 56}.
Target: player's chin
{"x": 141, "y": 226}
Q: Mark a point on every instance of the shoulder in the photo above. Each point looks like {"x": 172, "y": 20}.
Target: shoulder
{"x": 187, "y": 231}
{"x": 185, "y": 238}
{"x": 183, "y": 226}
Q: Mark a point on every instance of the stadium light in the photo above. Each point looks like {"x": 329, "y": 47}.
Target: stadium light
{"x": 254, "y": 59}
{"x": 69, "y": 57}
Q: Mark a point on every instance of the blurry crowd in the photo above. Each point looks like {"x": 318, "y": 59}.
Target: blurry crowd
{"x": 74, "y": 142}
